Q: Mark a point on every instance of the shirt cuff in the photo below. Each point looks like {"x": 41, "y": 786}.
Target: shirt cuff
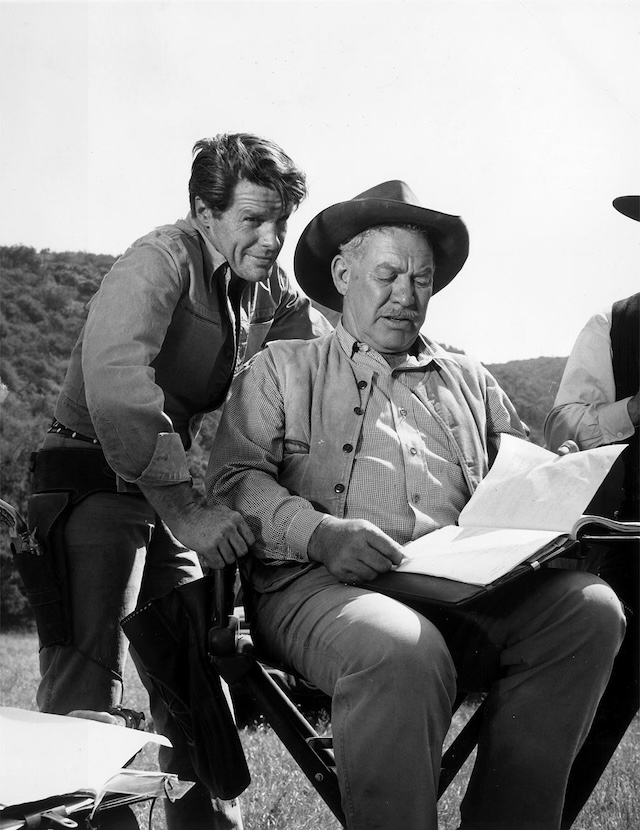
{"x": 615, "y": 423}
{"x": 168, "y": 463}
{"x": 301, "y": 529}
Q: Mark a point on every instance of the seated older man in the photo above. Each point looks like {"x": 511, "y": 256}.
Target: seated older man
{"x": 340, "y": 450}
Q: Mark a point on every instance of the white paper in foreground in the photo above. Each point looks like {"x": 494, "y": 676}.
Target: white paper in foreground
{"x": 48, "y": 755}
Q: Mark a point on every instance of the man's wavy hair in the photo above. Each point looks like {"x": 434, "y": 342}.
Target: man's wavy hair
{"x": 220, "y": 162}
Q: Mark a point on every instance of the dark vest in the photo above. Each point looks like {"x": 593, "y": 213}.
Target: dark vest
{"x": 625, "y": 346}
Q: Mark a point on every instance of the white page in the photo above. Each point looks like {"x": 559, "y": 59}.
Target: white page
{"x": 47, "y": 755}
{"x": 476, "y": 556}
{"x": 532, "y": 488}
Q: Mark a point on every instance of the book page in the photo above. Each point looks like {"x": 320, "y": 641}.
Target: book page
{"x": 477, "y": 556}
{"x": 599, "y": 522}
{"x": 529, "y": 487}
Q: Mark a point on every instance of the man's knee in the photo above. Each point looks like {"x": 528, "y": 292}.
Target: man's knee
{"x": 590, "y": 607}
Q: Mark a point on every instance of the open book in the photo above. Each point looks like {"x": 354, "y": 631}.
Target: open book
{"x": 525, "y": 509}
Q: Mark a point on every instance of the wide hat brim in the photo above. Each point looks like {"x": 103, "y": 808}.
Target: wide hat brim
{"x": 390, "y": 203}
{"x": 629, "y": 206}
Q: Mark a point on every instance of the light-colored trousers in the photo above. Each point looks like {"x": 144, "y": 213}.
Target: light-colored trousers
{"x": 392, "y": 678}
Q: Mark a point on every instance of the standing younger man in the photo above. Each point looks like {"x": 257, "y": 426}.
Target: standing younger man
{"x": 112, "y": 499}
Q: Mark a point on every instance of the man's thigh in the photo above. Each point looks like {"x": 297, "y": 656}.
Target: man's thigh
{"x": 551, "y": 612}
{"x": 325, "y": 630}
{"x": 105, "y": 539}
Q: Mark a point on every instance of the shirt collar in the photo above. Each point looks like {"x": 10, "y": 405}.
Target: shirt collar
{"x": 215, "y": 257}
{"x": 427, "y": 351}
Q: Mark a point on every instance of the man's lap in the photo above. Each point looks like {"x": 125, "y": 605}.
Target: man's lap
{"x": 318, "y": 617}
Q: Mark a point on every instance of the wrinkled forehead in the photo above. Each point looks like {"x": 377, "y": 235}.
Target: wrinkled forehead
{"x": 256, "y": 198}
{"x": 406, "y": 243}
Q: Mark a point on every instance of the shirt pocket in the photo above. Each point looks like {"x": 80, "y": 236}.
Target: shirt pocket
{"x": 294, "y": 468}
{"x": 294, "y": 447}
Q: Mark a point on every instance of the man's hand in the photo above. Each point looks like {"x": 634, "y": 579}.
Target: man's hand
{"x": 567, "y": 447}
{"x": 216, "y": 533}
{"x": 353, "y": 550}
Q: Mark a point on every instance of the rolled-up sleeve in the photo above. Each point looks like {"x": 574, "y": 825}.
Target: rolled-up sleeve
{"x": 245, "y": 461}
{"x": 125, "y": 330}
{"x": 585, "y": 409}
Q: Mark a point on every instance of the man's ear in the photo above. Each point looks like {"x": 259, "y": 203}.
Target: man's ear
{"x": 340, "y": 273}
{"x": 203, "y": 212}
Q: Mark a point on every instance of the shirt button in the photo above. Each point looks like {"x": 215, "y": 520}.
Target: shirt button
{"x": 415, "y": 498}
{"x": 339, "y": 488}
{"x": 348, "y": 447}
{"x": 358, "y": 410}
{"x": 362, "y": 384}
{"x": 403, "y": 413}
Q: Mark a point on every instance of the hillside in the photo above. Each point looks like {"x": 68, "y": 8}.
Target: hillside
{"x": 43, "y": 299}
{"x": 532, "y": 386}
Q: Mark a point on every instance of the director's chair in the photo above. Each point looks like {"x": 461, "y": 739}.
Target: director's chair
{"x": 234, "y": 658}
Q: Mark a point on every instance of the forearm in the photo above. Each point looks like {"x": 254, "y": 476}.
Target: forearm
{"x": 588, "y": 424}
{"x": 174, "y": 503}
{"x": 585, "y": 409}
{"x": 216, "y": 533}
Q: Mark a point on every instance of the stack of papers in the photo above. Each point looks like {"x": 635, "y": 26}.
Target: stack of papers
{"x": 42, "y": 756}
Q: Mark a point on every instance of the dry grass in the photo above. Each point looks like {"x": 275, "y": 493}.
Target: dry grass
{"x": 281, "y": 798}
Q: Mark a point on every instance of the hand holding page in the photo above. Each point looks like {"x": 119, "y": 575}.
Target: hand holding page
{"x": 529, "y": 503}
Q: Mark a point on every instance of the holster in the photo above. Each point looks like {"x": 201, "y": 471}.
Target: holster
{"x": 61, "y": 478}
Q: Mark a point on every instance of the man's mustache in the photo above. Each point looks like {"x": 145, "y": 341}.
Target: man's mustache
{"x": 400, "y": 314}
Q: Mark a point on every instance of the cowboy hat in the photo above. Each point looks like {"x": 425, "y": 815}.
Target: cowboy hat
{"x": 629, "y": 206}
{"x": 390, "y": 203}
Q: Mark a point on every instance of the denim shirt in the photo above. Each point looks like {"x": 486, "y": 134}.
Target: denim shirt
{"x": 284, "y": 451}
{"x": 160, "y": 347}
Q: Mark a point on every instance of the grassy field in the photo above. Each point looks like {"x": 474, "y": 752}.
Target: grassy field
{"x": 281, "y": 798}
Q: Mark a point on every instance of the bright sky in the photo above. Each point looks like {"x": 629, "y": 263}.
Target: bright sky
{"x": 522, "y": 117}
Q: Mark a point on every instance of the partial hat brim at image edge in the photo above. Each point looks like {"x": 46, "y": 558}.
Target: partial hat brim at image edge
{"x": 332, "y": 227}
{"x": 628, "y": 206}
